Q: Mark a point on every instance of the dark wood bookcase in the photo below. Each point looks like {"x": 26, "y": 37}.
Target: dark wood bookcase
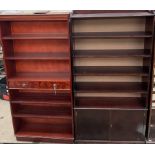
{"x": 112, "y": 60}
{"x": 37, "y": 61}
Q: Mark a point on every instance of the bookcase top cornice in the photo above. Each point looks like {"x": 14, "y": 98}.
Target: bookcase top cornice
{"x": 23, "y": 16}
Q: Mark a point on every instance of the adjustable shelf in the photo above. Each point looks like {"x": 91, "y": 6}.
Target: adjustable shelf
{"x": 36, "y": 36}
{"x": 120, "y": 53}
{"x": 130, "y": 87}
{"x": 90, "y": 35}
{"x": 36, "y": 98}
{"x": 52, "y": 111}
{"x": 111, "y": 71}
{"x": 37, "y": 60}
{"x": 112, "y": 54}
{"x": 39, "y": 115}
{"x": 40, "y": 56}
{"x": 109, "y": 102}
{"x": 41, "y": 76}
{"x": 47, "y": 136}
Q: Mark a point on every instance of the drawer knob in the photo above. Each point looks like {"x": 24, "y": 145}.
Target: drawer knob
{"x": 24, "y": 84}
{"x": 55, "y": 87}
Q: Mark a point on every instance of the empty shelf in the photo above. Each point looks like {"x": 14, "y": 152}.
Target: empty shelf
{"x": 44, "y": 135}
{"x": 41, "y": 98}
{"x": 111, "y": 71}
{"x": 40, "y": 56}
{"x": 44, "y": 130}
{"x": 38, "y": 76}
{"x": 24, "y": 114}
{"x": 110, "y": 102}
{"x": 37, "y": 36}
{"x": 110, "y": 15}
{"x": 112, "y": 35}
{"x": 111, "y": 53}
{"x": 106, "y": 87}
{"x": 42, "y": 111}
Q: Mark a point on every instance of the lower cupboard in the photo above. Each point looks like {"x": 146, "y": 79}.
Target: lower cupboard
{"x": 92, "y": 125}
{"x": 152, "y": 126}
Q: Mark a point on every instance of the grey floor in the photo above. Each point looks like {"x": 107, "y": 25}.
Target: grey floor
{"x": 6, "y": 128}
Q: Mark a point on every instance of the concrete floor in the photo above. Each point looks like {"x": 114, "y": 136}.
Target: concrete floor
{"x": 6, "y": 128}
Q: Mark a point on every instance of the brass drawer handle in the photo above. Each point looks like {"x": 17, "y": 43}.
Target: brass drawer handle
{"x": 55, "y": 87}
{"x": 24, "y": 84}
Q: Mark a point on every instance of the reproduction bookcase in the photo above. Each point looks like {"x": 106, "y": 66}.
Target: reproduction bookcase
{"x": 112, "y": 60}
{"x": 37, "y": 60}
{"x": 102, "y": 61}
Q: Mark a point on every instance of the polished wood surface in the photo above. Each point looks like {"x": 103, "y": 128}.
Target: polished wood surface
{"x": 110, "y": 125}
{"x": 100, "y": 60}
{"x": 112, "y": 57}
{"x": 37, "y": 59}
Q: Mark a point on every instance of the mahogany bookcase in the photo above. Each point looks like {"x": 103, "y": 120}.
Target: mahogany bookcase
{"x": 38, "y": 67}
{"x": 112, "y": 65}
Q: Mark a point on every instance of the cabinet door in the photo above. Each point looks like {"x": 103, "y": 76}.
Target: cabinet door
{"x": 92, "y": 124}
{"x": 127, "y": 125}
{"x": 152, "y": 125}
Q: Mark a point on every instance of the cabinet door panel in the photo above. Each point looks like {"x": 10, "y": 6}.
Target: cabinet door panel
{"x": 128, "y": 125}
{"x": 152, "y": 125}
{"x": 92, "y": 124}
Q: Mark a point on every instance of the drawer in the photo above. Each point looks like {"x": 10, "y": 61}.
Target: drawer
{"x": 40, "y": 85}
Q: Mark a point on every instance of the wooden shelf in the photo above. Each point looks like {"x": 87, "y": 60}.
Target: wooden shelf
{"x": 44, "y": 135}
{"x": 37, "y": 36}
{"x": 52, "y": 131}
{"x": 110, "y": 102}
{"x": 22, "y": 114}
{"x": 42, "y": 103}
{"x": 117, "y": 87}
{"x": 40, "y": 98}
{"x": 112, "y": 35}
{"x": 40, "y": 56}
{"x": 110, "y": 15}
{"x": 111, "y": 53}
{"x": 50, "y": 76}
{"x": 111, "y": 71}
{"x": 55, "y": 111}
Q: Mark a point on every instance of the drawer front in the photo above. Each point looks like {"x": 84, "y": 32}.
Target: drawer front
{"x": 40, "y": 84}
{"x": 91, "y": 124}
